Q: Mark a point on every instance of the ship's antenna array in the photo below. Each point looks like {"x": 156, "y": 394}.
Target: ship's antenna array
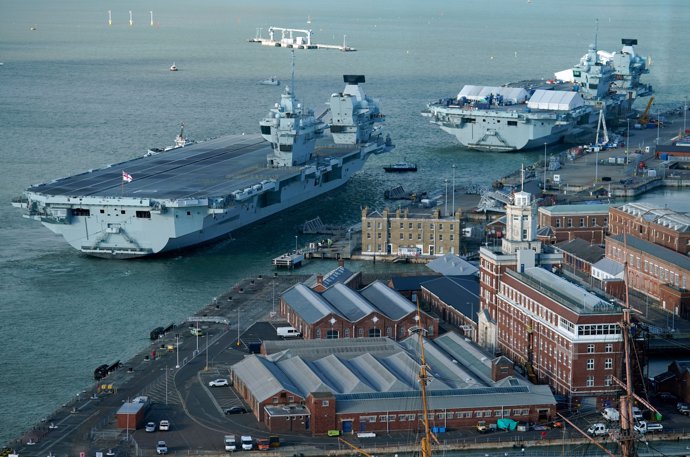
{"x": 292, "y": 77}
{"x": 596, "y": 34}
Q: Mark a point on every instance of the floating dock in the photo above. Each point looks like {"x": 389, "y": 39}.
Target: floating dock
{"x": 289, "y": 260}
{"x": 294, "y": 39}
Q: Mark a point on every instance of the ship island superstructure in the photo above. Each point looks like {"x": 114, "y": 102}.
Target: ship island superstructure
{"x": 528, "y": 114}
{"x": 191, "y": 195}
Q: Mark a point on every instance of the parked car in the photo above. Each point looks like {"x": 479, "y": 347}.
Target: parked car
{"x": 219, "y": 383}
{"x": 150, "y": 427}
{"x": 637, "y": 413}
{"x": 683, "y": 408}
{"x": 164, "y": 426}
{"x": 161, "y": 448}
{"x": 236, "y": 410}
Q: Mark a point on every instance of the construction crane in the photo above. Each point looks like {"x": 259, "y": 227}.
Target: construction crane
{"x": 644, "y": 117}
{"x": 358, "y": 449}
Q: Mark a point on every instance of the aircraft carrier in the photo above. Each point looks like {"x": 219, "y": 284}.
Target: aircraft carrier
{"x": 528, "y": 114}
{"x": 197, "y": 193}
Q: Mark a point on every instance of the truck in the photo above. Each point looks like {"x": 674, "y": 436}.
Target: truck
{"x": 230, "y": 443}
{"x": 263, "y": 444}
{"x": 648, "y": 427}
{"x": 288, "y": 332}
{"x": 598, "y": 429}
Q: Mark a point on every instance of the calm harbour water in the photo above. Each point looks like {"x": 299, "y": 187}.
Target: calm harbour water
{"x": 77, "y": 94}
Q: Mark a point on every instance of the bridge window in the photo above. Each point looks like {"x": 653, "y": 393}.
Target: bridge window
{"x": 143, "y": 214}
{"x": 81, "y": 212}
{"x": 512, "y": 123}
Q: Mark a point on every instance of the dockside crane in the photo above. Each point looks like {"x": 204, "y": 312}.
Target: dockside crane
{"x": 644, "y": 117}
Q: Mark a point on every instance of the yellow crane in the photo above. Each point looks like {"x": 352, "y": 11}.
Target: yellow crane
{"x": 644, "y": 117}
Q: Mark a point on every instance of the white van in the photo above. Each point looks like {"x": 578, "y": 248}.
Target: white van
{"x": 598, "y": 429}
{"x": 288, "y": 332}
{"x": 247, "y": 443}
{"x": 611, "y": 414}
{"x": 230, "y": 443}
{"x": 196, "y": 331}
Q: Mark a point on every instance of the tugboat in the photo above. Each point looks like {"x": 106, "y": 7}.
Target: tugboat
{"x": 173, "y": 67}
{"x": 400, "y": 167}
{"x": 272, "y": 81}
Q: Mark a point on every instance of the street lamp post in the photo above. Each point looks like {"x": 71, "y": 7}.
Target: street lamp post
{"x": 544, "y": 188}
{"x": 627, "y": 142}
{"x": 177, "y": 349}
{"x": 197, "y": 337}
{"x": 445, "y": 211}
{"x": 453, "y": 193}
{"x": 658, "y": 127}
{"x": 295, "y": 243}
{"x": 206, "y": 369}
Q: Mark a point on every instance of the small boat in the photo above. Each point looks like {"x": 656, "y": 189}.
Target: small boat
{"x": 173, "y": 67}
{"x": 400, "y": 167}
{"x": 272, "y": 81}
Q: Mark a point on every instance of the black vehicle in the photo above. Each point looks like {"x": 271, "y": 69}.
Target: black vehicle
{"x": 236, "y": 410}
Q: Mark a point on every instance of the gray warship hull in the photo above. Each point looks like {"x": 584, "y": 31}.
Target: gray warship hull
{"x": 185, "y": 197}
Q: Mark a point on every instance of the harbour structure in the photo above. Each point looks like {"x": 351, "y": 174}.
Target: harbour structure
{"x": 204, "y": 191}
{"x": 530, "y": 114}
{"x": 294, "y": 39}
{"x": 410, "y": 232}
{"x": 367, "y": 385}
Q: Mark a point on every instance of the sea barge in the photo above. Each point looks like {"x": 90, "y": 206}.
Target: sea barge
{"x": 194, "y": 194}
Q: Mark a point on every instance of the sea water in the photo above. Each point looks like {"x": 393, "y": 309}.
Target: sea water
{"x": 77, "y": 93}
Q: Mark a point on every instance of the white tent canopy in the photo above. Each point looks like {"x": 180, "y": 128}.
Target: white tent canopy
{"x": 511, "y": 94}
{"x": 557, "y": 100}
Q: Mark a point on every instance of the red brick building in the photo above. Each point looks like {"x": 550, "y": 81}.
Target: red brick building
{"x": 567, "y": 222}
{"x": 654, "y": 270}
{"x": 661, "y": 226}
{"x": 563, "y": 335}
{"x": 368, "y": 385}
{"x": 340, "y": 312}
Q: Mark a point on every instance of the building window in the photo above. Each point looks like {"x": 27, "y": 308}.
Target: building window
{"x": 409, "y": 236}
{"x": 593, "y": 222}
{"x": 401, "y": 225}
{"x": 440, "y": 236}
{"x": 590, "y": 381}
{"x": 570, "y": 222}
{"x": 608, "y": 364}
{"x": 558, "y": 223}
{"x": 360, "y": 332}
{"x": 590, "y": 348}
{"x": 332, "y": 334}
{"x": 324, "y": 403}
{"x": 347, "y": 333}
{"x": 582, "y": 222}
{"x": 608, "y": 381}
{"x": 452, "y": 227}
{"x": 409, "y": 225}
{"x": 590, "y": 364}
{"x": 402, "y": 235}
{"x": 318, "y": 333}
{"x": 609, "y": 347}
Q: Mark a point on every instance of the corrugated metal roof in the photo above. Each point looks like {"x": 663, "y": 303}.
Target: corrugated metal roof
{"x": 377, "y": 375}
{"x": 471, "y": 398}
{"x": 263, "y": 378}
{"x": 340, "y": 376}
{"x": 468, "y": 355}
{"x": 462, "y": 293}
{"x": 303, "y": 377}
{"x": 309, "y": 305}
{"x": 348, "y": 302}
{"x": 388, "y": 301}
